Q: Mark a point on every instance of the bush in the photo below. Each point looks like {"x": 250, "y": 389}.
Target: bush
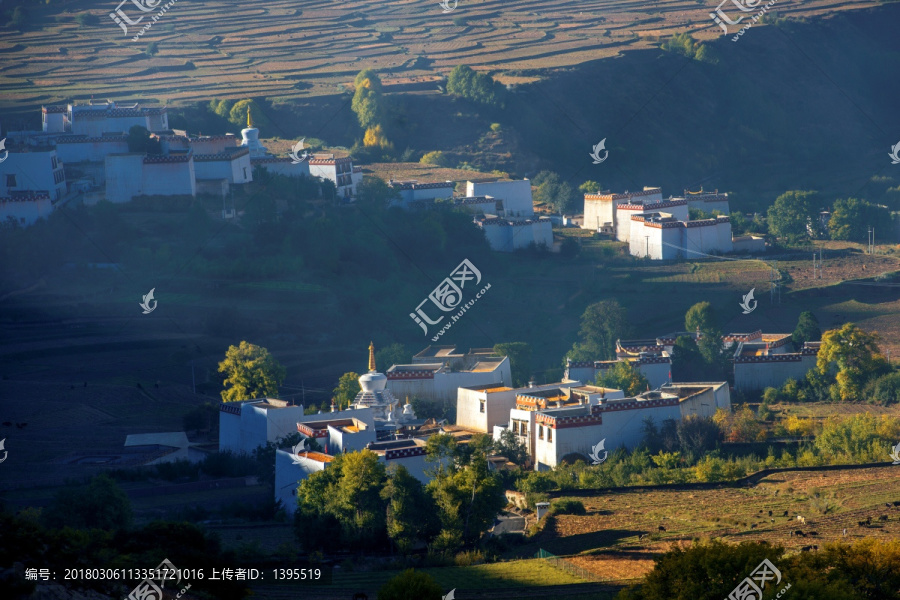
{"x": 436, "y": 158}
{"x": 496, "y": 127}
{"x": 568, "y": 506}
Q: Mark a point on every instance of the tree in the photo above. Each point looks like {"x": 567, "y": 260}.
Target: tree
{"x": 410, "y": 513}
{"x": 602, "y": 324}
{"x": 701, "y": 317}
{"x": 436, "y": 158}
{"x": 395, "y": 354}
{"x": 851, "y": 219}
{"x": 794, "y": 215}
{"x": 688, "y": 363}
{"x": 519, "y": 354}
{"x": 358, "y": 502}
{"x": 411, "y": 585}
{"x": 589, "y": 187}
{"x": 623, "y": 376}
{"x": 807, "y": 330}
{"x": 346, "y": 390}
{"x": 140, "y": 140}
{"x": 375, "y": 138}
{"x": 885, "y": 390}
{"x": 510, "y": 446}
{"x": 250, "y": 372}
{"x": 697, "y": 435}
{"x": 551, "y": 190}
{"x": 237, "y": 115}
{"x": 478, "y": 87}
{"x": 367, "y": 99}
{"x": 852, "y": 357}
{"x": 99, "y": 505}
{"x": 374, "y": 192}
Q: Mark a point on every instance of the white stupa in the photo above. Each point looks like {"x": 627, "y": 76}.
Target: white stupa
{"x": 250, "y": 139}
{"x": 373, "y": 393}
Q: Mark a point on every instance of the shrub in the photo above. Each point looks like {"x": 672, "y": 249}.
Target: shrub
{"x": 436, "y": 158}
{"x": 568, "y": 506}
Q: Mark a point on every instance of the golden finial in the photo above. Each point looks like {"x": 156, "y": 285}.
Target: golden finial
{"x": 371, "y": 357}
{"x": 249, "y": 119}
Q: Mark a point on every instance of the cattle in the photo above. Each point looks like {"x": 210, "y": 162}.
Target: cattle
{"x": 883, "y": 518}
{"x": 799, "y": 533}
{"x": 770, "y": 513}
{"x": 812, "y": 533}
{"x": 897, "y": 503}
{"x": 861, "y": 523}
{"x": 801, "y": 519}
{"x": 785, "y": 514}
{"x": 661, "y": 528}
{"x": 805, "y": 548}
{"x": 753, "y": 526}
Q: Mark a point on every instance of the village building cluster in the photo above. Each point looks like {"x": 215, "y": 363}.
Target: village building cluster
{"x": 556, "y": 422}
{"x": 92, "y": 141}
{"x": 661, "y": 229}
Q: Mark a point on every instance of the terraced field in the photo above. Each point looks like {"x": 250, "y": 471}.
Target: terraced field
{"x": 286, "y": 48}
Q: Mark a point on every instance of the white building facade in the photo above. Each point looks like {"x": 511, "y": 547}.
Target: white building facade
{"x": 32, "y": 169}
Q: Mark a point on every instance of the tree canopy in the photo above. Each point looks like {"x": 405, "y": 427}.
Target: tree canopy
{"x": 807, "y": 329}
{"x": 602, "y": 324}
{"x": 794, "y": 216}
{"x": 623, "y": 376}
{"x": 555, "y": 192}
{"x": 851, "y": 356}
{"x": 519, "y": 354}
{"x": 701, "y": 317}
{"x": 475, "y": 86}
{"x": 346, "y": 390}
{"x": 852, "y": 217}
{"x": 250, "y": 372}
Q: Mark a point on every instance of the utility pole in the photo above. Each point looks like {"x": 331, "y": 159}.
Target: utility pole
{"x": 871, "y": 249}
{"x": 647, "y": 238}
{"x": 776, "y": 287}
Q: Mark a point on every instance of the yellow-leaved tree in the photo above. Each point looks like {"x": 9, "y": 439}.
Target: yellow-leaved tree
{"x": 250, "y": 372}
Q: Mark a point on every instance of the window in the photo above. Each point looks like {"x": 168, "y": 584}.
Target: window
{"x": 53, "y": 161}
{"x": 245, "y": 172}
{"x": 11, "y": 180}
{"x": 540, "y": 432}
{"x": 549, "y": 434}
{"x": 481, "y": 406}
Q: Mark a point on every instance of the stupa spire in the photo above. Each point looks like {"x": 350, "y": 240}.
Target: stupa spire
{"x": 249, "y": 118}
{"x": 371, "y": 357}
